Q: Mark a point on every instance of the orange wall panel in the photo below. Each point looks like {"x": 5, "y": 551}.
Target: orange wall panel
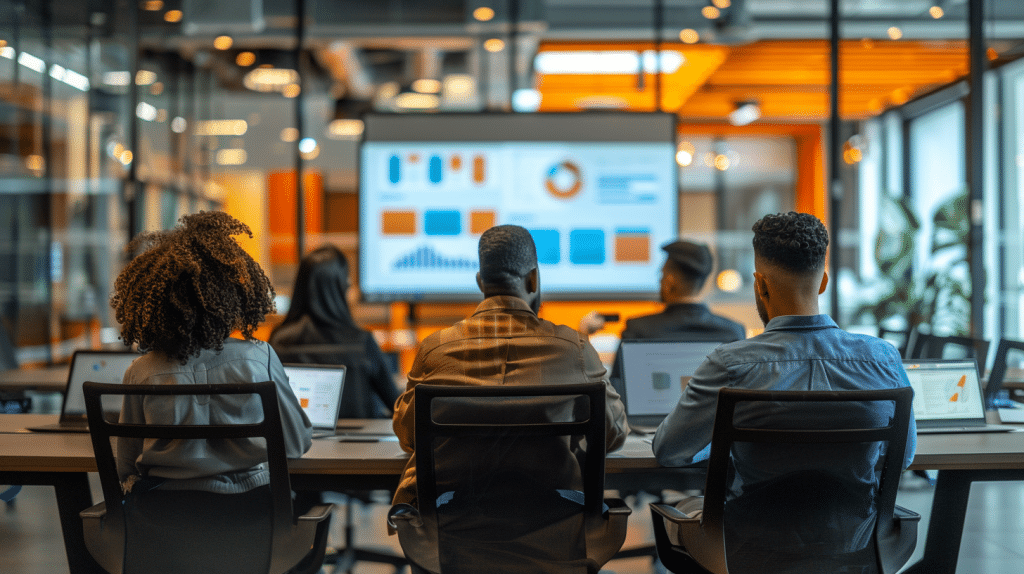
{"x": 281, "y": 204}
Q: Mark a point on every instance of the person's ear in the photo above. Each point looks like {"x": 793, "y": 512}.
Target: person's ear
{"x": 532, "y": 281}
{"x": 760, "y": 286}
{"x": 479, "y": 282}
{"x": 824, "y": 283}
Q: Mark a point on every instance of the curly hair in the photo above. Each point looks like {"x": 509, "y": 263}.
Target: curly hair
{"x": 507, "y": 253}
{"x": 191, "y": 287}
{"x": 797, "y": 242}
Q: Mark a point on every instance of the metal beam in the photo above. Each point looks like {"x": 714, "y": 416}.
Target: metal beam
{"x": 835, "y": 188}
{"x": 976, "y": 163}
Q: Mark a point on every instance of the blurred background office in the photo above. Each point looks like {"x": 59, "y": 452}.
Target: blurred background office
{"x": 119, "y": 116}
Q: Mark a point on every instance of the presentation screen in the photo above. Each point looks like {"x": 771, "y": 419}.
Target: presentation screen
{"x": 597, "y": 191}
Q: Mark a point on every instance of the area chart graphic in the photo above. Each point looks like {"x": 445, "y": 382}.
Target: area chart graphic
{"x": 425, "y": 257}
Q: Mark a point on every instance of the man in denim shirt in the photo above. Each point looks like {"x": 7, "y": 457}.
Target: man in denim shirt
{"x": 799, "y": 350}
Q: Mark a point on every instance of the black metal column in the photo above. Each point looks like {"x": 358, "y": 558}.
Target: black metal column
{"x": 300, "y": 188}
{"x": 835, "y": 160}
{"x": 976, "y": 164}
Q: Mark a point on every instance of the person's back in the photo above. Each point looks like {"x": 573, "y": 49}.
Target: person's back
{"x": 799, "y": 350}
{"x": 319, "y": 329}
{"x": 504, "y": 342}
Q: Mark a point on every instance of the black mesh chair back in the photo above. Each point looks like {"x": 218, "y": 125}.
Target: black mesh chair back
{"x": 953, "y": 347}
{"x": 900, "y": 338}
{"x": 1009, "y": 355}
{"x": 510, "y": 479}
{"x": 181, "y": 531}
{"x": 786, "y": 492}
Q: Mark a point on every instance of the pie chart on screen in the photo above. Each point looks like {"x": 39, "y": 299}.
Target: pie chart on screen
{"x": 564, "y": 180}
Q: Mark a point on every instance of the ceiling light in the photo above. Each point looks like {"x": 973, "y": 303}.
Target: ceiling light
{"x": 345, "y": 129}
{"x": 426, "y": 86}
{"x": 458, "y": 86}
{"x": 729, "y": 280}
{"x": 221, "y": 128}
{"x": 178, "y": 124}
{"x": 126, "y": 157}
{"x": 689, "y": 36}
{"x": 231, "y": 156}
{"x": 936, "y": 12}
{"x": 526, "y": 100}
{"x": 607, "y": 62}
{"x": 32, "y": 62}
{"x": 117, "y": 78}
{"x": 153, "y": 5}
{"x": 172, "y": 16}
{"x": 291, "y": 90}
{"x": 723, "y": 4}
{"x": 684, "y": 153}
{"x": 157, "y": 88}
{"x": 289, "y": 134}
{"x": 144, "y": 78}
{"x": 494, "y": 45}
{"x": 222, "y": 42}
{"x": 721, "y": 162}
{"x": 483, "y": 13}
{"x": 710, "y": 12}
{"x": 745, "y": 113}
{"x": 145, "y": 112}
{"x": 414, "y": 101}
{"x": 270, "y": 79}
{"x": 894, "y": 33}
{"x": 307, "y": 145}
{"x": 35, "y": 162}
{"x": 244, "y": 59}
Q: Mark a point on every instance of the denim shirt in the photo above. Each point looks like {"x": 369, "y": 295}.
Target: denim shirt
{"x": 794, "y": 353}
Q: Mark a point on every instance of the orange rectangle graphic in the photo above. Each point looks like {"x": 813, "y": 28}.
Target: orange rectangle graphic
{"x": 304, "y": 402}
{"x": 633, "y": 248}
{"x": 480, "y": 221}
{"x": 398, "y": 222}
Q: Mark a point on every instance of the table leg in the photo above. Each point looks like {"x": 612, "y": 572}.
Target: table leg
{"x": 73, "y": 496}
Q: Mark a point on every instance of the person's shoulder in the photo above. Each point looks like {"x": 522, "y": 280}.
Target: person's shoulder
{"x": 639, "y": 326}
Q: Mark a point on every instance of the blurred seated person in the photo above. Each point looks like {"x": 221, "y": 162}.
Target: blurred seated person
{"x": 685, "y": 318}
{"x": 180, "y": 300}
{"x": 504, "y": 342}
{"x": 319, "y": 329}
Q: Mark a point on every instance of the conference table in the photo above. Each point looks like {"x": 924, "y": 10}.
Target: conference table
{"x": 368, "y": 457}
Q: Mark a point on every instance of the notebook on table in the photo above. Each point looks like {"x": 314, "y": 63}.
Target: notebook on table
{"x": 948, "y": 396}
{"x": 654, "y": 374}
{"x": 318, "y": 389}
{"x": 95, "y": 366}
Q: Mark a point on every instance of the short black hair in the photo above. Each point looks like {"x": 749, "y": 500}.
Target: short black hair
{"x": 507, "y": 254}
{"x": 797, "y": 242}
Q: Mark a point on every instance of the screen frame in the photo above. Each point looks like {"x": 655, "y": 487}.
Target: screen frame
{"x": 588, "y": 126}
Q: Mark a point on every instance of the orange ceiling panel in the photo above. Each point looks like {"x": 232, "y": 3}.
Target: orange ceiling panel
{"x": 790, "y": 79}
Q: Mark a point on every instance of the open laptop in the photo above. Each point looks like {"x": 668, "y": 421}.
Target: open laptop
{"x": 318, "y": 388}
{"x": 654, "y": 374}
{"x": 95, "y": 366}
{"x": 948, "y": 396}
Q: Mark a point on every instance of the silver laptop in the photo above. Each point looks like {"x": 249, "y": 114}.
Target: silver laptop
{"x": 318, "y": 389}
{"x": 95, "y": 366}
{"x": 948, "y": 396}
{"x": 654, "y": 374}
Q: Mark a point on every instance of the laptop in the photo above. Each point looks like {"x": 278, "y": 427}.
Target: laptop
{"x": 95, "y": 366}
{"x": 654, "y": 374}
{"x": 948, "y": 396}
{"x": 318, "y": 388}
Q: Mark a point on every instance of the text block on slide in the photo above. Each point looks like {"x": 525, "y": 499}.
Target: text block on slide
{"x": 632, "y": 245}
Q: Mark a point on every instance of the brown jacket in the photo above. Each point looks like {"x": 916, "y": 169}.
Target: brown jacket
{"x": 502, "y": 343}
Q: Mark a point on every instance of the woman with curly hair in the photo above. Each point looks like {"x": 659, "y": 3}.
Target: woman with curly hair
{"x": 180, "y": 300}
{"x": 319, "y": 329}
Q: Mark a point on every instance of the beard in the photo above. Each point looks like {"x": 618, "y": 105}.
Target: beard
{"x": 761, "y": 310}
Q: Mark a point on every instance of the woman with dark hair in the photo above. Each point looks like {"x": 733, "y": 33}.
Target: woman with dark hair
{"x": 180, "y": 300}
{"x": 319, "y": 329}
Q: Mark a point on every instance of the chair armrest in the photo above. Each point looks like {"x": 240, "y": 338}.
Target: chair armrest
{"x": 617, "y": 506}
{"x": 406, "y": 513}
{"x": 96, "y": 511}
{"x": 672, "y": 514}
{"x": 905, "y": 514}
{"x": 318, "y": 512}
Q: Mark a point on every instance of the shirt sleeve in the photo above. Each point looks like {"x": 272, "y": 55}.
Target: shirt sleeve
{"x": 295, "y": 425}
{"x": 615, "y": 426}
{"x": 404, "y": 421}
{"x": 684, "y": 435}
{"x": 908, "y": 456}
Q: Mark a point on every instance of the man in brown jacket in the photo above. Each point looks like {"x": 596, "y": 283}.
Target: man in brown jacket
{"x": 504, "y": 342}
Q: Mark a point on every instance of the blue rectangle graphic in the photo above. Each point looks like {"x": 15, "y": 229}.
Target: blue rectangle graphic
{"x": 586, "y": 246}
{"x": 548, "y": 242}
{"x": 442, "y": 222}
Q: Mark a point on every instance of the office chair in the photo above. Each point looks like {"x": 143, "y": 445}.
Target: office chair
{"x": 181, "y": 531}
{"x": 358, "y": 400}
{"x": 999, "y": 367}
{"x": 953, "y": 347}
{"x": 483, "y": 505}
{"x": 795, "y": 514}
{"x": 900, "y": 338}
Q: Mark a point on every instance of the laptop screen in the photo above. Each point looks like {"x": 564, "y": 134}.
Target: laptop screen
{"x": 98, "y": 367}
{"x": 318, "y": 388}
{"x": 654, "y": 374}
{"x": 945, "y": 390}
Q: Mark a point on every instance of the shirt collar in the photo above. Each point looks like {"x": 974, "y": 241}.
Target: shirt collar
{"x": 502, "y": 303}
{"x": 800, "y": 322}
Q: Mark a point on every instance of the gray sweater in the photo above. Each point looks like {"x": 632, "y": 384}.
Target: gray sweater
{"x": 226, "y": 466}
